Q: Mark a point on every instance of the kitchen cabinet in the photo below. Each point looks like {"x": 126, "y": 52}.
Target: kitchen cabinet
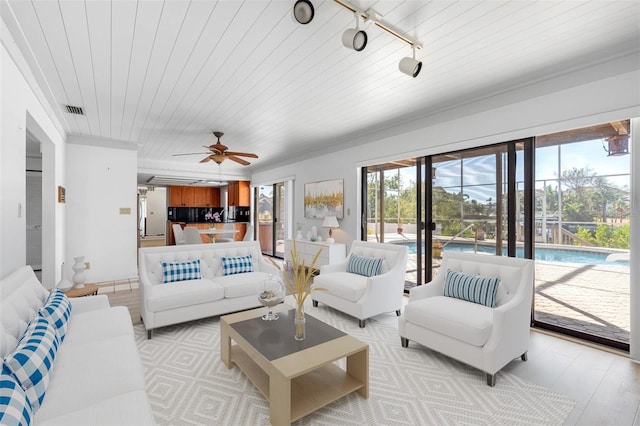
{"x": 191, "y": 196}
{"x": 239, "y": 193}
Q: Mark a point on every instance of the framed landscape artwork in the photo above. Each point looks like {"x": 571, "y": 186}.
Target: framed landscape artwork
{"x": 324, "y": 198}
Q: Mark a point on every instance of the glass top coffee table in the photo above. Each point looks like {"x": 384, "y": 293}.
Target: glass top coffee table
{"x": 297, "y": 378}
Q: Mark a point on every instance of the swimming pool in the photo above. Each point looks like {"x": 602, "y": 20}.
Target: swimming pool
{"x": 561, "y": 255}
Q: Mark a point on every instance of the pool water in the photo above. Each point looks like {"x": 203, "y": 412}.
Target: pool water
{"x": 545, "y": 254}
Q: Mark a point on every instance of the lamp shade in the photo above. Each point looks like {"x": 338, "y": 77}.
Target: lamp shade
{"x": 330, "y": 222}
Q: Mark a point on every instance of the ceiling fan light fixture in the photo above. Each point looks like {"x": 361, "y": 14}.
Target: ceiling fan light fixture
{"x": 410, "y": 66}
{"x": 218, "y": 158}
{"x": 303, "y": 11}
{"x": 355, "y": 38}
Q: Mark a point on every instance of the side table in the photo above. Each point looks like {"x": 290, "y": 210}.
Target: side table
{"x": 87, "y": 290}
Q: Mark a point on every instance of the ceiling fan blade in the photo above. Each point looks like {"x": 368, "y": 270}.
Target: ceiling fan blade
{"x": 238, "y": 160}
{"x": 205, "y": 159}
{"x": 191, "y": 153}
{"x": 242, "y": 154}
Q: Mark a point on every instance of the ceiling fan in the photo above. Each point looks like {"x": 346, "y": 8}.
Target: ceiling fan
{"x": 219, "y": 152}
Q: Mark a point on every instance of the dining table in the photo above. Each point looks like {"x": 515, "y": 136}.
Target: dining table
{"x": 212, "y": 232}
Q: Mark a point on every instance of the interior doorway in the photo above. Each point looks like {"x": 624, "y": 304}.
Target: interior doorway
{"x": 33, "y": 205}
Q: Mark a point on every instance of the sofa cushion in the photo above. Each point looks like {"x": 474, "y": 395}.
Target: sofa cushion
{"x": 57, "y": 308}
{"x": 180, "y": 294}
{"x": 86, "y": 374}
{"x": 367, "y": 266}
{"x": 33, "y": 358}
{"x": 459, "y": 319}
{"x": 240, "y": 285}
{"x": 237, "y": 264}
{"x": 476, "y": 289}
{"x": 181, "y": 271}
{"x": 15, "y": 408}
{"x": 342, "y": 284}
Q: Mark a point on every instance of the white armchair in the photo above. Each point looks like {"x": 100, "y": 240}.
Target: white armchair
{"x": 480, "y": 336}
{"x": 361, "y": 296}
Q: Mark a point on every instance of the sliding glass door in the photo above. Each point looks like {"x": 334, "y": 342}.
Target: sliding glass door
{"x": 271, "y": 218}
{"x": 582, "y": 233}
{"x": 562, "y": 199}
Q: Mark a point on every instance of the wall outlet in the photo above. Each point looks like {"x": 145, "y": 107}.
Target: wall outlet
{"x": 125, "y": 210}
{"x": 87, "y": 265}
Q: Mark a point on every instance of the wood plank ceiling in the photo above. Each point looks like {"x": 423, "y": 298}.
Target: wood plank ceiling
{"x": 165, "y": 74}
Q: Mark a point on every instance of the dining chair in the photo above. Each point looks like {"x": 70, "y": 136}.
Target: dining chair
{"x": 248, "y": 235}
{"x": 227, "y": 227}
{"x": 192, "y": 235}
{"x": 178, "y": 235}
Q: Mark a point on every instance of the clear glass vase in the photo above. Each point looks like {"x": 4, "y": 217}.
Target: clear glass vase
{"x": 300, "y": 321}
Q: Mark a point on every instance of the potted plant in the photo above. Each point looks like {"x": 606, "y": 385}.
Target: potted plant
{"x": 436, "y": 249}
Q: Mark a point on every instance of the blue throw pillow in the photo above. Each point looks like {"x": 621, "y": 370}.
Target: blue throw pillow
{"x": 57, "y": 308}
{"x": 476, "y": 289}
{"x": 33, "y": 358}
{"x": 15, "y": 408}
{"x": 237, "y": 265}
{"x": 181, "y": 271}
{"x": 367, "y": 266}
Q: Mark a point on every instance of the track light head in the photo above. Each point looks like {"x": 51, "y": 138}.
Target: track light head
{"x": 355, "y": 38}
{"x": 303, "y": 11}
{"x": 410, "y": 66}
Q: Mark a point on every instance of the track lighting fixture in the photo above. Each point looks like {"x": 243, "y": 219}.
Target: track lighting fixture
{"x": 303, "y": 11}
{"x": 410, "y": 66}
{"x": 355, "y": 38}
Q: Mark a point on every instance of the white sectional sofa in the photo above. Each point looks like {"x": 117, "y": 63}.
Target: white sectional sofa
{"x": 213, "y": 293}
{"x": 96, "y": 377}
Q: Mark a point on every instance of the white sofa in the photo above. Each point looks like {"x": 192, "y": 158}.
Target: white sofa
{"x": 213, "y": 294}
{"x": 97, "y": 376}
{"x": 483, "y": 337}
{"x": 362, "y": 296}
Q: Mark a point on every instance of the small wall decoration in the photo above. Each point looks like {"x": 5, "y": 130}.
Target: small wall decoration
{"x": 61, "y": 194}
{"x": 324, "y": 198}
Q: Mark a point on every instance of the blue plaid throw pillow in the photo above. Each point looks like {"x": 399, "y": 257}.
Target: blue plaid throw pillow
{"x": 15, "y": 408}
{"x": 57, "y": 308}
{"x": 181, "y": 271}
{"x": 474, "y": 289}
{"x": 237, "y": 265}
{"x": 33, "y": 358}
{"x": 367, "y": 266}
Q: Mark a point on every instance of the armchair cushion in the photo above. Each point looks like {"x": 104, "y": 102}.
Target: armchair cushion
{"x": 476, "y": 289}
{"x": 467, "y": 322}
{"x": 344, "y": 285}
{"x": 367, "y": 266}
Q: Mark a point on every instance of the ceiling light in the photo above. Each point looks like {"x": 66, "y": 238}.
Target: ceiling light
{"x": 303, "y": 11}
{"x": 355, "y": 38}
{"x": 410, "y": 66}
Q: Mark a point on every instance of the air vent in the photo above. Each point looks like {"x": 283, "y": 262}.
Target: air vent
{"x": 74, "y": 110}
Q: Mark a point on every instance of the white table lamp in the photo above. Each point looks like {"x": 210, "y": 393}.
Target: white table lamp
{"x": 330, "y": 222}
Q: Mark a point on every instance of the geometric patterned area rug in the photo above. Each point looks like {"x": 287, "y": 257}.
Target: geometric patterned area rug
{"x": 187, "y": 384}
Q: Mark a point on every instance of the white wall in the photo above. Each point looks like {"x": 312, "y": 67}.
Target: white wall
{"x": 21, "y": 109}
{"x": 101, "y": 181}
{"x": 157, "y": 211}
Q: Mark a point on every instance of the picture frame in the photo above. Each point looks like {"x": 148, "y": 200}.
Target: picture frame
{"x": 324, "y": 198}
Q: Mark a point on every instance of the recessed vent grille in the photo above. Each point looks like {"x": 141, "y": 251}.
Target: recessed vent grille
{"x": 74, "y": 110}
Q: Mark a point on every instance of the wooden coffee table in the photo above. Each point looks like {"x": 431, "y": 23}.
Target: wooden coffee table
{"x": 297, "y": 378}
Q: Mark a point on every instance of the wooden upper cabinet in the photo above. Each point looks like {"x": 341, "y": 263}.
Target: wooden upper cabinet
{"x": 191, "y": 196}
{"x": 202, "y": 197}
{"x": 239, "y": 193}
